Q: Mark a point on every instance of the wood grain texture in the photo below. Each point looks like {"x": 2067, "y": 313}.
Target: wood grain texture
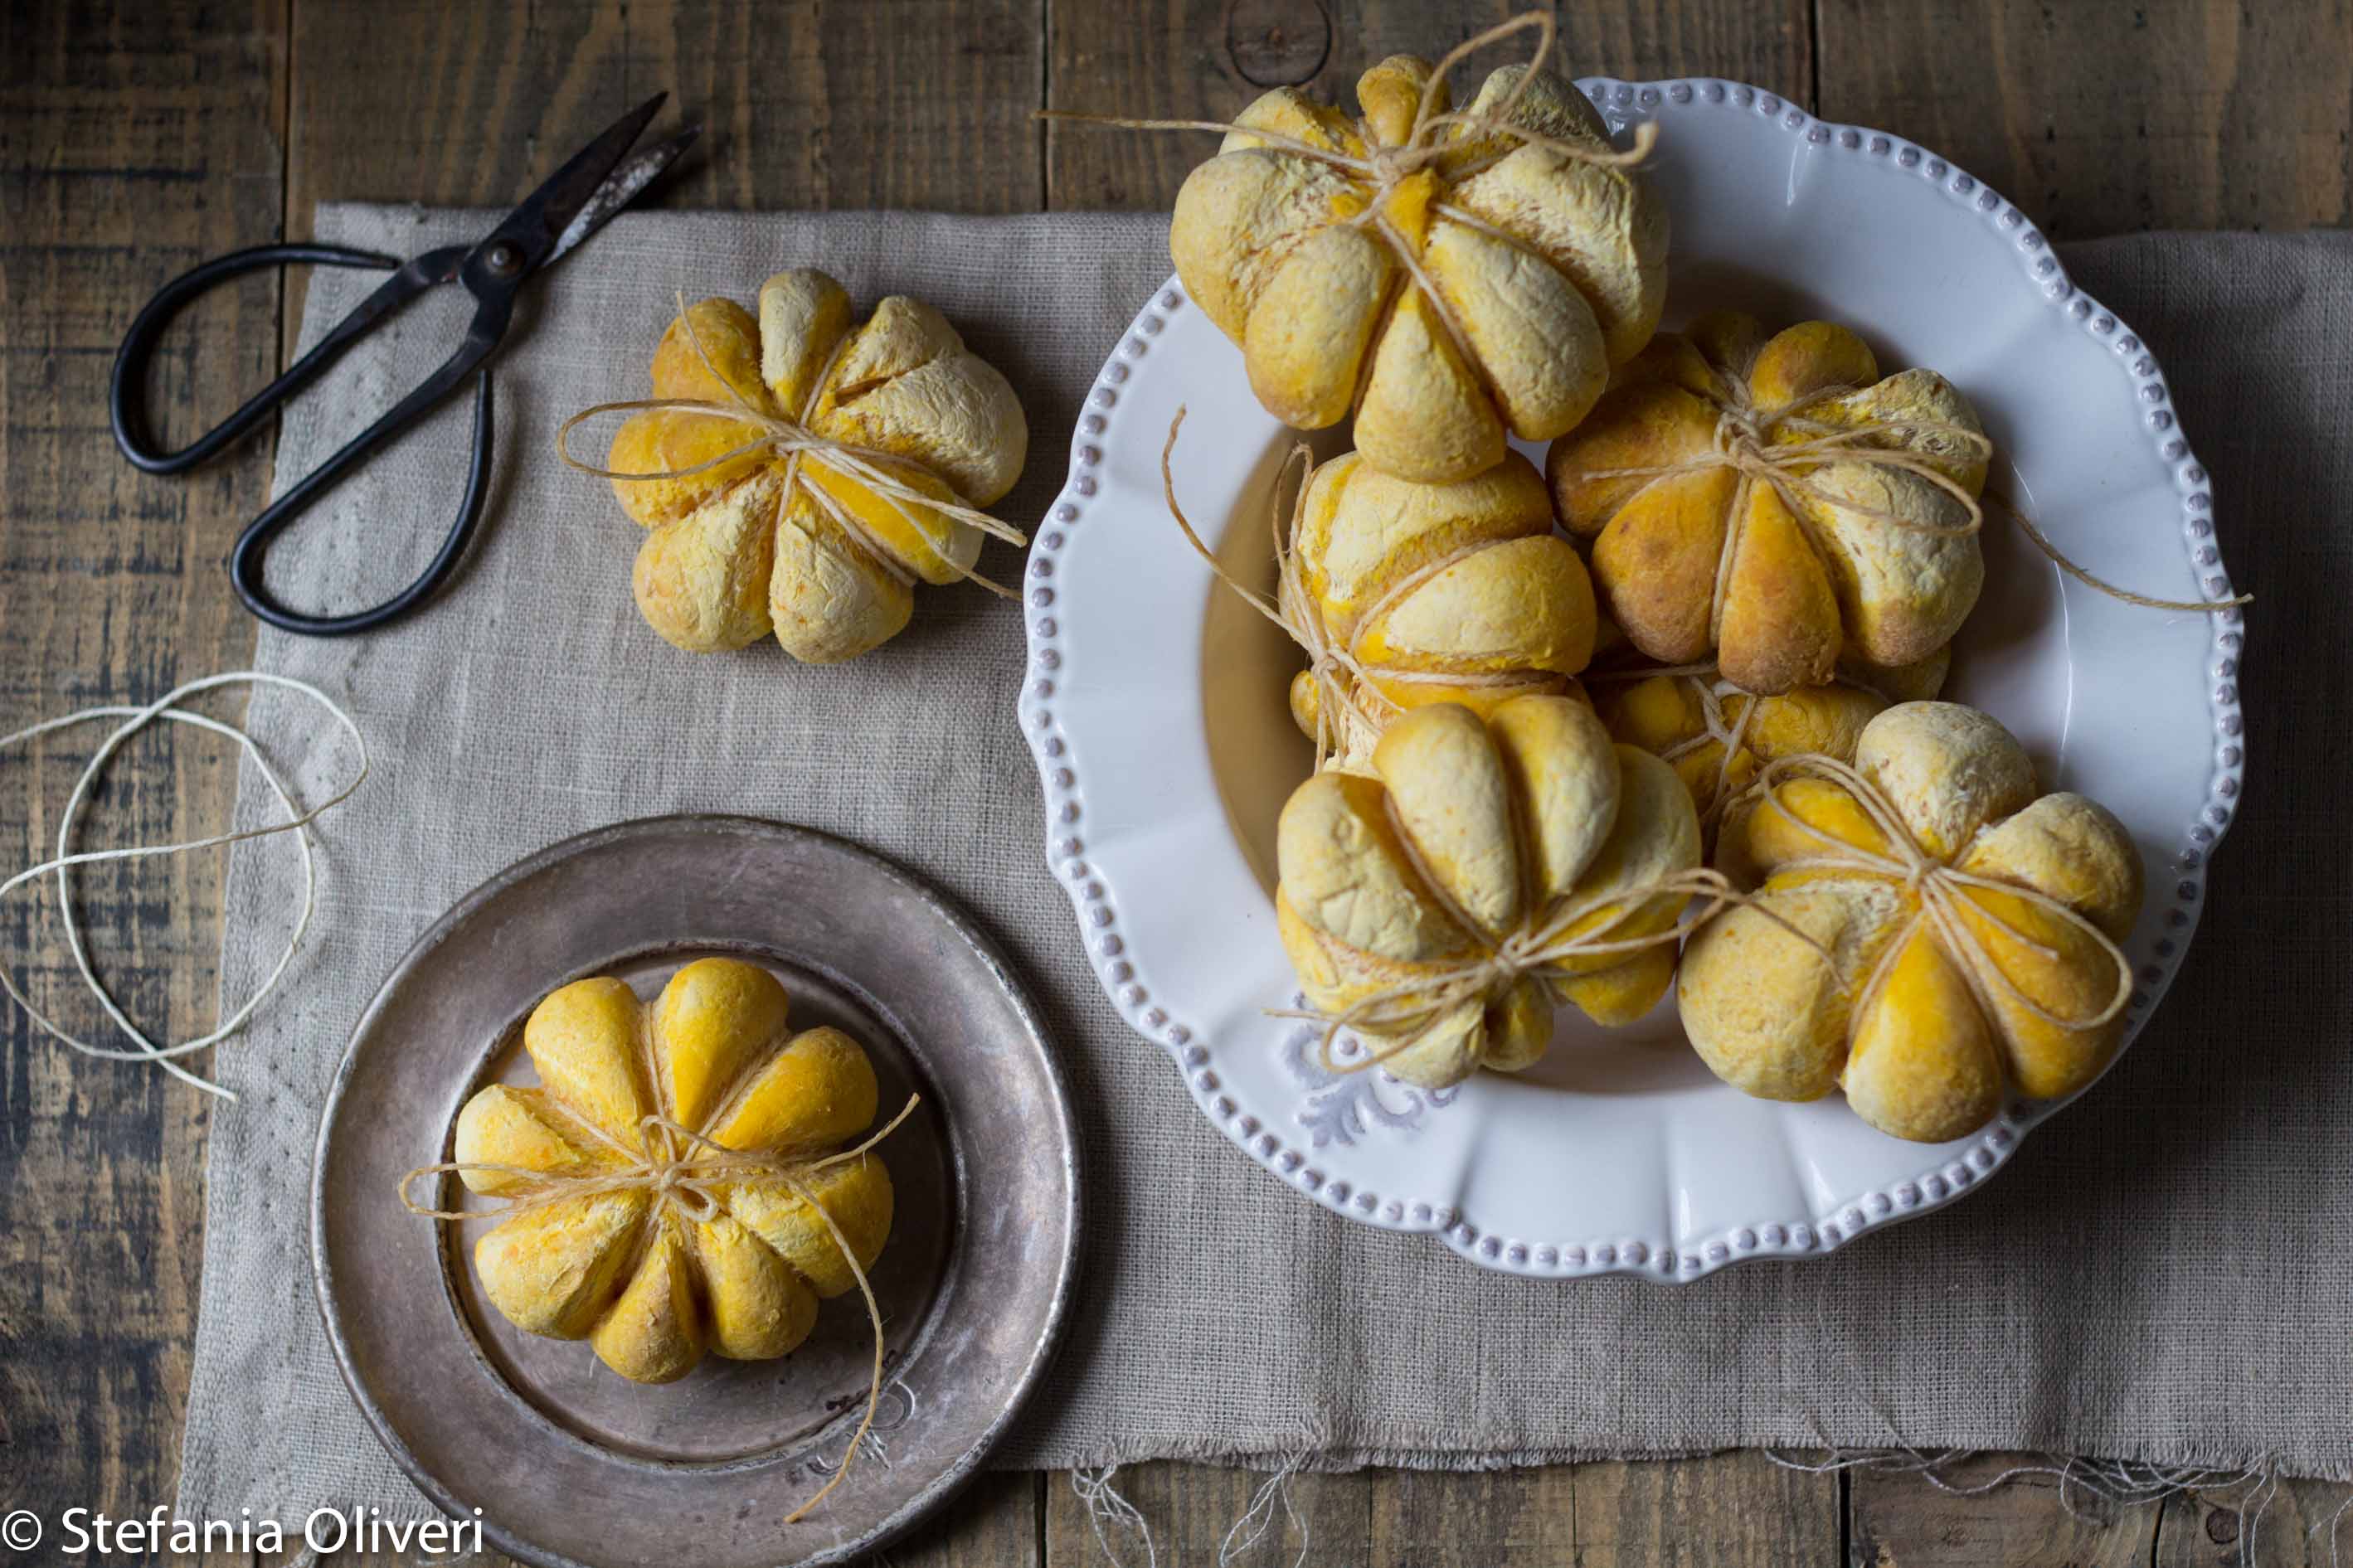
{"x": 2101, "y": 119}
{"x": 1906, "y": 1521}
{"x": 846, "y": 103}
{"x": 993, "y": 1523}
{"x": 2302, "y": 1524}
{"x": 1717, "y": 1511}
{"x": 1208, "y": 58}
{"x": 1723, "y": 1510}
{"x": 126, "y": 153}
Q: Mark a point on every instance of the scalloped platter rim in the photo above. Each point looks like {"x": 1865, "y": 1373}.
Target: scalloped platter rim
{"x": 1628, "y": 1159}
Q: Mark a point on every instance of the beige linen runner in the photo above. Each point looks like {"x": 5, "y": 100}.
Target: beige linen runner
{"x": 2165, "y": 1273}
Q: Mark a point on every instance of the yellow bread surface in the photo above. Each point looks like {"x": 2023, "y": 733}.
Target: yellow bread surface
{"x": 1446, "y": 593}
{"x": 1805, "y": 590}
{"x": 752, "y": 545}
{"x": 1551, "y": 268}
{"x": 1923, "y": 1050}
{"x": 654, "y": 1283}
{"x": 1466, "y": 830}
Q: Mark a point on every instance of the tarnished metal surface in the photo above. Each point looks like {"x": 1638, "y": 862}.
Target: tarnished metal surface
{"x": 571, "y": 1465}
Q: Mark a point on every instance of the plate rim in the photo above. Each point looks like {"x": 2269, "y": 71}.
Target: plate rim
{"x": 927, "y": 1499}
{"x": 1624, "y": 104}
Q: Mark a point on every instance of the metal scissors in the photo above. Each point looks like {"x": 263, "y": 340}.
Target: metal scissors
{"x": 600, "y": 179}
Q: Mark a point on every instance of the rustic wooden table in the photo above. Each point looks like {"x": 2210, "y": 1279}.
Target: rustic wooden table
{"x": 137, "y": 139}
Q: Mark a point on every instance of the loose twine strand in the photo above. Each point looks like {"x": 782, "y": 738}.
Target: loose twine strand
{"x": 1413, "y": 1007}
{"x": 1711, "y": 690}
{"x": 297, "y": 821}
{"x": 1351, "y": 708}
{"x": 1433, "y": 137}
{"x": 1407, "y": 1010}
{"x": 685, "y": 1169}
{"x": 1748, "y": 440}
{"x": 798, "y": 443}
{"x": 1250, "y": 1529}
{"x": 1107, "y": 1510}
{"x": 2120, "y": 1483}
{"x": 1944, "y": 910}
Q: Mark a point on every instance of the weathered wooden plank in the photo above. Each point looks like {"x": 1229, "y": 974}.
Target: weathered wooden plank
{"x": 2104, "y": 118}
{"x": 2301, "y": 1524}
{"x": 1525, "y": 1519}
{"x": 1192, "y": 1509}
{"x": 1726, "y": 1510}
{"x": 1715, "y": 1511}
{"x": 1208, "y": 58}
{"x": 992, "y": 1523}
{"x": 908, "y": 103}
{"x": 1896, "y": 1519}
{"x": 128, "y": 149}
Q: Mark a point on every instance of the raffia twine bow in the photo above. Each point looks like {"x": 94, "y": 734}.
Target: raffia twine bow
{"x": 1434, "y": 136}
{"x": 687, "y": 1171}
{"x": 1946, "y": 910}
{"x": 1714, "y": 695}
{"x": 797, "y": 441}
{"x": 1544, "y": 945}
{"x": 1783, "y": 448}
{"x": 1351, "y": 709}
{"x": 1712, "y": 691}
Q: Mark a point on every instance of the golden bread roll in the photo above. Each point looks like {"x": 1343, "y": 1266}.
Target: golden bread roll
{"x": 1959, "y": 930}
{"x": 1451, "y": 284}
{"x": 1453, "y": 592}
{"x": 1528, "y": 835}
{"x": 709, "y": 1087}
{"x": 1858, "y": 545}
{"x": 1717, "y": 736}
{"x": 823, "y": 556}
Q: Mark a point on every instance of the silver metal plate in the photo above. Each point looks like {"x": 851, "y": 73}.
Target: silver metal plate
{"x": 572, "y": 1466}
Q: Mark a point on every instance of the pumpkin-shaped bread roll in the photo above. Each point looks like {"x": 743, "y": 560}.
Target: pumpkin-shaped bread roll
{"x": 1774, "y": 505}
{"x": 1959, "y": 930}
{"x": 1527, "y": 835}
{"x": 1451, "y": 283}
{"x": 1455, "y": 593}
{"x": 1717, "y": 736}
{"x": 727, "y": 1257}
{"x": 822, "y": 550}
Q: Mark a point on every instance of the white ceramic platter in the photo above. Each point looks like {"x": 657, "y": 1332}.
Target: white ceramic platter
{"x": 1154, "y": 704}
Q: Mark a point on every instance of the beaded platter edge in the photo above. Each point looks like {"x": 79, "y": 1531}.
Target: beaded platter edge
{"x": 2183, "y": 881}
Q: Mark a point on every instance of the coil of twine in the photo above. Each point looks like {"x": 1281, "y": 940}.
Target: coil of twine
{"x": 298, "y": 820}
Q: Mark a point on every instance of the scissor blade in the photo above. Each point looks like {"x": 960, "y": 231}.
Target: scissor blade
{"x": 621, "y": 187}
{"x": 547, "y": 213}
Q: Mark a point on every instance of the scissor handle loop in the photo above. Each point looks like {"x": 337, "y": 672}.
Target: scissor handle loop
{"x": 245, "y": 561}
{"x": 134, "y": 433}
{"x": 494, "y": 309}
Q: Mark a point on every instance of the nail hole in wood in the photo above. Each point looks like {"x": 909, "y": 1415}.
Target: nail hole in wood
{"x": 1278, "y": 43}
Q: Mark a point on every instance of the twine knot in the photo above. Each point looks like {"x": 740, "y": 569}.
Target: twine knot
{"x": 672, "y": 1164}
{"x": 1942, "y": 890}
{"x": 797, "y": 441}
{"x": 1784, "y": 446}
{"x": 1385, "y": 165}
{"x": 1352, "y": 710}
{"x": 1392, "y": 166}
{"x": 1740, "y": 438}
